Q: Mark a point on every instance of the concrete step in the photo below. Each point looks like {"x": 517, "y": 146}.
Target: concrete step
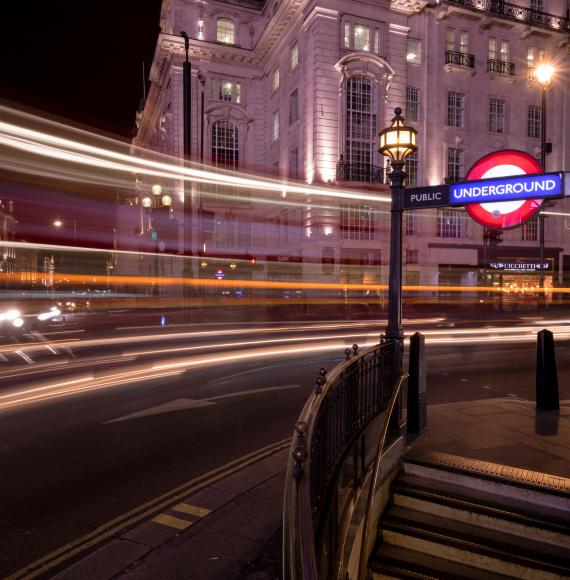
{"x": 395, "y": 562}
{"x": 479, "y": 508}
{"x": 473, "y": 546}
{"x": 510, "y": 483}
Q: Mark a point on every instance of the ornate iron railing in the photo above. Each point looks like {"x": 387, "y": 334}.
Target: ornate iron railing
{"x": 327, "y": 444}
{"x": 459, "y": 58}
{"x": 360, "y": 172}
{"x": 517, "y": 13}
{"x": 501, "y": 67}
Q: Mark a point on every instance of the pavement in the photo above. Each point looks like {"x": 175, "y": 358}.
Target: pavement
{"x": 231, "y": 529}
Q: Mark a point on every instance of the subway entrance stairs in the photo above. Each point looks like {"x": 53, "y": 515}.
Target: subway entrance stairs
{"x": 452, "y": 517}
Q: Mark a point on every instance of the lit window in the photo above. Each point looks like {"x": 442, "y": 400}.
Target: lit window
{"x": 414, "y": 51}
{"x": 412, "y": 163}
{"x": 496, "y": 116}
{"x": 295, "y": 56}
{"x": 225, "y": 152}
{"x": 492, "y": 48}
{"x": 412, "y": 104}
{"x": 455, "y": 109}
{"x": 534, "y": 125}
{"x": 361, "y": 38}
{"x": 504, "y": 52}
{"x": 464, "y": 42}
{"x": 534, "y": 56}
{"x": 359, "y": 222}
{"x": 225, "y": 31}
{"x": 294, "y": 107}
{"x": 275, "y": 80}
{"x": 225, "y": 90}
{"x": 450, "y": 39}
{"x": 275, "y": 133}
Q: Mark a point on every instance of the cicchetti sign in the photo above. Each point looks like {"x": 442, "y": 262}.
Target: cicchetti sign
{"x": 511, "y": 212}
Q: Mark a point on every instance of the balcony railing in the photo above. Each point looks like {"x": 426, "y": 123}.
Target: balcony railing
{"x": 360, "y": 172}
{"x": 517, "y": 13}
{"x": 501, "y": 67}
{"x": 453, "y": 179}
{"x": 459, "y": 58}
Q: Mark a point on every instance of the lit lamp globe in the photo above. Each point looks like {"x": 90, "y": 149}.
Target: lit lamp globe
{"x": 146, "y": 202}
{"x": 397, "y": 141}
{"x": 543, "y": 73}
{"x": 166, "y": 201}
{"x": 156, "y": 189}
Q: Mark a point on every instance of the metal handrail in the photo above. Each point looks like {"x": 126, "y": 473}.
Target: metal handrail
{"x": 375, "y": 471}
{"x": 460, "y": 58}
{"x": 303, "y": 504}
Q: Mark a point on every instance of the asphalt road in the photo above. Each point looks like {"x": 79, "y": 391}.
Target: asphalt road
{"x": 75, "y": 459}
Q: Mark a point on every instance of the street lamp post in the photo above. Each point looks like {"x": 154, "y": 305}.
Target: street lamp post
{"x": 543, "y": 74}
{"x": 396, "y": 142}
{"x": 58, "y": 224}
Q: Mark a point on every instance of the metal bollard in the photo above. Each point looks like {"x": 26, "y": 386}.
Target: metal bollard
{"x": 547, "y": 398}
{"x": 417, "y": 410}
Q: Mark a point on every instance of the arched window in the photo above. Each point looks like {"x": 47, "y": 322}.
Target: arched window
{"x": 225, "y": 147}
{"x": 361, "y": 130}
{"x": 225, "y": 31}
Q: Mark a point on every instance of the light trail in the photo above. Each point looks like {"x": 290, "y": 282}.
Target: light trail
{"x": 143, "y": 373}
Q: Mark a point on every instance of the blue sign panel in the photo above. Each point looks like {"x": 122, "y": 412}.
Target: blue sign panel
{"x": 507, "y": 189}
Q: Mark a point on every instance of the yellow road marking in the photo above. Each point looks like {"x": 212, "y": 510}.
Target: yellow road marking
{"x": 172, "y": 522}
{"x": 143, "y": 512}
{"x": 193, "y": 510}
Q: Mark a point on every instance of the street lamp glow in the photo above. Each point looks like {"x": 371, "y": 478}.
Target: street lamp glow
{"x": 57, "y": 223}
{"x": 146, "y": 202}
{"x": 398, "y": 141}
{"x": 166, "y": 201}
{"x": 543, "y": 73}
{"x": 156, "y": 189}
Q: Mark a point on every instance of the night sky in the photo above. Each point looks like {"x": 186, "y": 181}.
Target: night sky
{"x": 80, "y": 63}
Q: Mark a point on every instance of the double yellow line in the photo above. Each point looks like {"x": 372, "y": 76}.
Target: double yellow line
{"x": 143, "y": 512}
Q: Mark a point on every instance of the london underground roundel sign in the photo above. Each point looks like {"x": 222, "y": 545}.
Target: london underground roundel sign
{"x": 503, "y": 214}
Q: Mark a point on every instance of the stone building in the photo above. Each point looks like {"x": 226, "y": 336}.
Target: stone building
{"x": 300, "y": 89}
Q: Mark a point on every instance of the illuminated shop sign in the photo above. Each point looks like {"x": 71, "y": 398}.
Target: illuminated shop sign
{"x": 520, "y": 266}
{"x": 507, "y": 189}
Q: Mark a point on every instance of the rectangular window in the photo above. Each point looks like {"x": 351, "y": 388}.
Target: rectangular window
{"x": 536, "y": 5}
{"x": 294, "y": 107}
{"x": 534, "y": 56}
{"x": 412, "y": 169}
{"x": 455, "y": 109}
{"x": 275, "y": 132}
{"x": 450, "y": 39}
{"x": 294, "y": 163}
{"x": 496, "y": 116}
{"x": 464, "y": 42}
{"x": 347, "y": 34}
{"x": 412, "y": 256}
{"x": 377, "y": 41}
{"x": 492, "y": 48}
{"x": 504, "y": 53}
{"x": 530, "y": 230}
{"x": 275, "y": 80}
{"x": 358, "y": 222}
{"x": 361, "y": 38}
{"x": 454, "y": 164}
{"x": 225, "y": 90}
{"x": 411, "y": 222}
{"x": 225, "y": 31}
{"x": 534, "y": 125}
{"x": 414, "y": 51}
{"x": 412, "y": 104}
{"x": 295, "y": 56}
{"x": 450, "y": 223}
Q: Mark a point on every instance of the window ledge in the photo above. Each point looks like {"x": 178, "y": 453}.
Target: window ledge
{"x": 459, "y": 68}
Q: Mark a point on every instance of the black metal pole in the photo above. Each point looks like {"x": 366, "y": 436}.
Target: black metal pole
{"x": 541, "y": 215}
{"x": 202, "y": 83}
{"x": 187, "y": 97}
{"x": 394, "y": 330}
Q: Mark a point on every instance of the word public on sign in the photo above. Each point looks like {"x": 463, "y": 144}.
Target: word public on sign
{"x": 507, "y": 189}
{"x": 421, "y": 197}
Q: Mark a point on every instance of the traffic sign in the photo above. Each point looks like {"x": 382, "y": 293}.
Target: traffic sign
{"x": 504, "y": 214}
{"x": 422, "y": 197}
{"x": 507, "y": 189}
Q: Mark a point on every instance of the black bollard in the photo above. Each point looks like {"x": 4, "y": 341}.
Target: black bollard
{"x": 417, "y": 411}
{"x": 546, "y": 375}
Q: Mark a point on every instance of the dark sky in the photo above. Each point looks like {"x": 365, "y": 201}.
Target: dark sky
{"x": 79, "y": 62}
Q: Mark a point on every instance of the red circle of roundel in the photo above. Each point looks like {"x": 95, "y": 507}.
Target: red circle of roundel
{"x": 483, "y": 213}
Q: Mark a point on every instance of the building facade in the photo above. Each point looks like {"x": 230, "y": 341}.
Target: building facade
{"x": 300, "y": 89}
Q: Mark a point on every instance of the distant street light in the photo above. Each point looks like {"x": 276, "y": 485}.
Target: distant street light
{"x": 543, "y": 74}
{"x": 396, "y": 142}
{"x": 59, "y": 224}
